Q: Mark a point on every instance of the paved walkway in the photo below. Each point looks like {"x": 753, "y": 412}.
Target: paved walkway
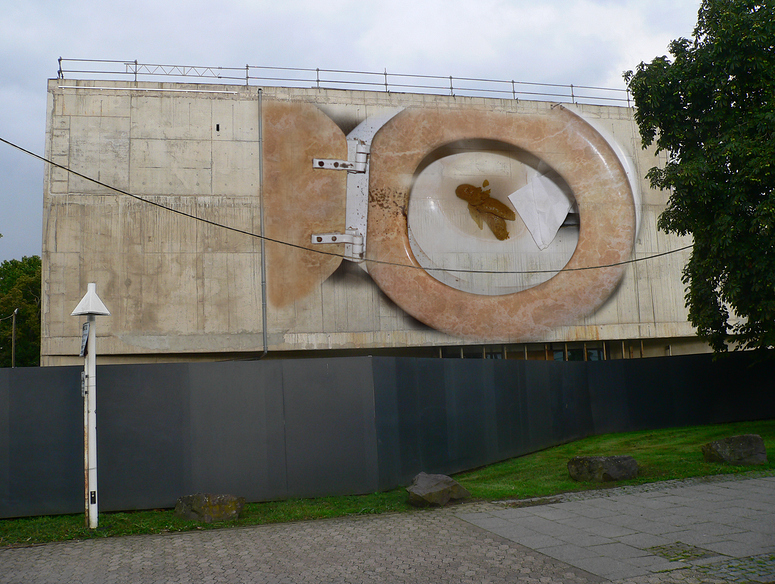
{"x": 697, "y": 531}
{"x": 722, "y": 530}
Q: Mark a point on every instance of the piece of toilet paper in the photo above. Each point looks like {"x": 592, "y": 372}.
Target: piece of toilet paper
{"x": 543, "y": 207}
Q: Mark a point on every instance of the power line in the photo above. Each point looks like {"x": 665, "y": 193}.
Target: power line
{"x": 319, "y": 251}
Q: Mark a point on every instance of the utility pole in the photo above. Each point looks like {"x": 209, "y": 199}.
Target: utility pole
{"x": 13, "y": 338}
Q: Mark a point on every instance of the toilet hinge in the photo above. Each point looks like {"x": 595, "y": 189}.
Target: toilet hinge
{"x": 352, "y": 238}
{"x": 359, "y": 165}
{"x": 357, "y": 208}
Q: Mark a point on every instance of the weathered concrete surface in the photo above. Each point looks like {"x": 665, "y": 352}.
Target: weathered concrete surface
{"x": 182, "y": 289}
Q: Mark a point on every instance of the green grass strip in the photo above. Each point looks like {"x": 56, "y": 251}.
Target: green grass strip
{"x": 661, "y": 455}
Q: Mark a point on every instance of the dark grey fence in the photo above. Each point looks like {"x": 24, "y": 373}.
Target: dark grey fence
{"x": 312, "y": 427}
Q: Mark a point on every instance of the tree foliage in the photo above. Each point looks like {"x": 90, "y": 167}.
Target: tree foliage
{"x": 20, "y": 288}
{"x": 711, "y": 108}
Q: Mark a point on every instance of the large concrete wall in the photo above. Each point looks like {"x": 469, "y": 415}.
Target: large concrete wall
{"x": 181, "y": 289}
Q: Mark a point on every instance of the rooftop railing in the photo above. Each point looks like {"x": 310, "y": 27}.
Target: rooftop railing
{"x": 343, "y": 79}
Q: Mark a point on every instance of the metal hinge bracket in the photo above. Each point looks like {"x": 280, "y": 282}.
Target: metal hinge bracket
{"x": 352, "y": 239}
{"x": 358, "y": 165}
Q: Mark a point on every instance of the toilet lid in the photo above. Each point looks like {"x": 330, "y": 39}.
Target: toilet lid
{"x": 560, "y": 139}
{"x": 299, "y": 200}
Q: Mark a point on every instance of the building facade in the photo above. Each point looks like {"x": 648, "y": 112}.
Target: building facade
{"x": 231, "y": 222}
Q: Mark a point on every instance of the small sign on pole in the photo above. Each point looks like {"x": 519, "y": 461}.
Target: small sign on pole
{"x": 84, "y": 339}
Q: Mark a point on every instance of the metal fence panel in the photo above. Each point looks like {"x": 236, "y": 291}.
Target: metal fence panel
{"x": 237, "y": 430}
{"x": 312, "y": 427}
{"x": 330, "y": 439}
{"x": 143, "y": 437}
{"x": 41, "y": 441}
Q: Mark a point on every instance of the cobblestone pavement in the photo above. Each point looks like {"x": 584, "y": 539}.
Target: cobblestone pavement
{"x": 414, "y": 547}
{"x": 459, "y": 544}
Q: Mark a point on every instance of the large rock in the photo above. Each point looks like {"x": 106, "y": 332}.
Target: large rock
{"x": 435, "y": 489}
{"x": 602, "y": 468}
{"x": 743, "y": 450}
{"x": 208, "y": 508}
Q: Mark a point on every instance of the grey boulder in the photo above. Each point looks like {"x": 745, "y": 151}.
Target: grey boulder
{"x": 739, "y": 450}
{"x": 601, "y": 469}
{"x": 435, "y": 489}
{"x": 208, "y": 507}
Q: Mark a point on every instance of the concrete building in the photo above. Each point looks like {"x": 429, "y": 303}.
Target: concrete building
{"x": 368, "y": 249}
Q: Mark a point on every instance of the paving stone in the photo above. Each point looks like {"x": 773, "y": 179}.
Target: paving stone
{"x": 610, "y": 568}
{"x": 585, "y": 523}
{"x": 753, "y": 539}
{"x": 734, "y": 549}
{"x": 538, "y": 542}
{"x": 618, "y": 551}
{"x": 554, "y": 513}
{"x": 645, "y": 540}
{"x": 612, "y": 531}
{"x": 593, "y": 512}
{"x": 664, "y": 529}
{"x": 569, "y": 552}
{"x": 584, "y": 538}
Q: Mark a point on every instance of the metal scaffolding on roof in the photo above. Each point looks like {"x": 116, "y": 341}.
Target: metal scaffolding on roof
{"x": 348, "y": 80}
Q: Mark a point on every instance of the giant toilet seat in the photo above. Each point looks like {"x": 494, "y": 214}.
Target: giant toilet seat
{"x": 560, "y": 138}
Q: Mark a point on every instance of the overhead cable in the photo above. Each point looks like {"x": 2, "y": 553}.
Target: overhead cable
{"x": 323, "y": 252}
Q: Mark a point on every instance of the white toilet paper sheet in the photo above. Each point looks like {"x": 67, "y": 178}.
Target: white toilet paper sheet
{"x": 543, "y": 207}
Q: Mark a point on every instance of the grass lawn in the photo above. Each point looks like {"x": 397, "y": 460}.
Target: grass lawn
{"x": 661, "y": 455}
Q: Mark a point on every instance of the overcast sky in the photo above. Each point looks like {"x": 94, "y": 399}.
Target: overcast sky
{"x": 580, "y": 42}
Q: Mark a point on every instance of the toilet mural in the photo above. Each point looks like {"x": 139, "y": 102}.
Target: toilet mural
{"x": 481, "y": 224}
{"x": 391, "y": 221}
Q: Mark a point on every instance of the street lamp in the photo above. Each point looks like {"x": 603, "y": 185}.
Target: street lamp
{"x": 90, "y": 306}
{"x": 13, "y": 338}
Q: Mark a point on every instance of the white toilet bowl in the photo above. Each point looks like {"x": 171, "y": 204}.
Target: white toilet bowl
{"x": 560, "y": 139}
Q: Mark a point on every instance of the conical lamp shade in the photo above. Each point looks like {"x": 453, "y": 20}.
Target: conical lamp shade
{"x": 91, "y": 303}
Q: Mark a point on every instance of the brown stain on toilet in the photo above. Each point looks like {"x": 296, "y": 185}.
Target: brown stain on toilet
{"x": 484, "y": 209}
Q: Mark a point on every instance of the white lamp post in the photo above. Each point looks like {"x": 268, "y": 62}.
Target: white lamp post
{"x": 91, "y": 306}
{"x": 13, "y": 339}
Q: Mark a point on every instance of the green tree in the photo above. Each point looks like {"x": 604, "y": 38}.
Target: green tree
{"x": 711, "y": 108}
{"x": 20, "y": 288}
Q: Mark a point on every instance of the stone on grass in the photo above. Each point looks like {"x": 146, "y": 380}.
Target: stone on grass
{"x": 207, "y": 508}
{"x": 601, "y": 469}
{"x": 435, "y": 489}
{"x": 740, "y": 450}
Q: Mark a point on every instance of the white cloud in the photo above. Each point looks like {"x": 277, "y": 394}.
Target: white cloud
{"x": 584, "y": 42}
